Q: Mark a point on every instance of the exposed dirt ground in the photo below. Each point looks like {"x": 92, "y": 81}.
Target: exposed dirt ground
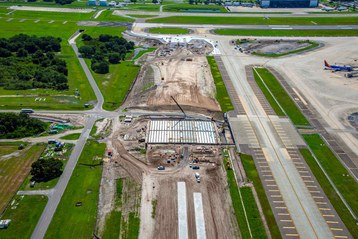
{"x": 159, "y": 188}
{"x": 278, "y": 46}
{"x": 175, "y": 71}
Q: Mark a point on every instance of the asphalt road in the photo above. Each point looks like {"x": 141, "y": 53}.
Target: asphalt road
{"x": 254, "y": 27}
{"x": 54, "y": 199}
{"x": 99, "y": 96}
{"x": 56, "y": 195}
{"x": 231, "y": 14}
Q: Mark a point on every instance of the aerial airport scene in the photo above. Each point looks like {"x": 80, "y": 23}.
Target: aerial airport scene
{"x": 178, "y": 119}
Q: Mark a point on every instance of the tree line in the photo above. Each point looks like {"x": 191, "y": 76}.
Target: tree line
{"x": 104, "y": 50}
{"x": 19, "y": 126}
{"x": 29, "y": 62}
{"x": 61, "y": 2}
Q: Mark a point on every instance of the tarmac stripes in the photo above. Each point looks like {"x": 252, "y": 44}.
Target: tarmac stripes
{"x": 279, "y": 208}
{"x": 199, "y": 216}
{"x": 182, "y": 211}
{"x": 238, "y": 107}
{"x": 331, "y": 217}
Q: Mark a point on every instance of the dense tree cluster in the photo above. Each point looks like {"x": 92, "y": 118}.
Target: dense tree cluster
{"x": 63, "y": 2}
{"x": 29, "y": 62}
{"x": 19, "y": 125}
{"x": 44, "y": 170}
{"x": 104, "y": 50}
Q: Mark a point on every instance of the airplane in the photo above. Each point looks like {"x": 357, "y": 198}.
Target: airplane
{"x": 327, "y": 9}
{"x": 337, "y": 67}
{"x": 341, "y": 9}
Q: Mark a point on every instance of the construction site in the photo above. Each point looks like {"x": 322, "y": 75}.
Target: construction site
{"x": 175, "y": 159}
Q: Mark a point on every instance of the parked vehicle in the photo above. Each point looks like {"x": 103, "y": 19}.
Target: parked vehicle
{"x": 161, "y": 168}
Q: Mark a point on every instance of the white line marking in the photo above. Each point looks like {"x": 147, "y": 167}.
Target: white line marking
{"x": 199, "y": 216}
{"x": 182, "y": 211}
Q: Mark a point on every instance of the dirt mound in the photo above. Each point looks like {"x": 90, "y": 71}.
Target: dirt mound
{"x": 178, "y": 73}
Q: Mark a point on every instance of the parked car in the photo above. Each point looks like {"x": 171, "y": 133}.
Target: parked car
{"x": 161, "y": 168}
{"x": 195, "y": 167}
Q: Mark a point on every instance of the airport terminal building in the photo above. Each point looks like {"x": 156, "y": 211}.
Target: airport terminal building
{"x": 288, "y": 3}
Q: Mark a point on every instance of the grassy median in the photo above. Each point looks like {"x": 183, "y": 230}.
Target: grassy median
{"x": 244, "y": 202}
{"x": 287, "y": 33}
{"x": 345, "y": 183}
{"x": 253, "y": 175}
{"x": 221, "y": 93}
{"x": 332, "y": 195}
{"x": 257, "y": 20}
{"x": 169, "y": 30}
{"x": 280, "y": 94}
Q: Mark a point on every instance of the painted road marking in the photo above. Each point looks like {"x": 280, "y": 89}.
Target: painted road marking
{"x": 328, "y": 215}
{"x": 336, "y": 229}
{"x": 283, "y": 214}
{"x": 199, "y": 216}
{"x": 182, "y": 211}
{"x": 324, "y": 209}
{"x": 332, "y": 222}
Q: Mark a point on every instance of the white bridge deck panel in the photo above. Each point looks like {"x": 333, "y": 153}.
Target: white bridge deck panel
{"x": 182, "y": 131}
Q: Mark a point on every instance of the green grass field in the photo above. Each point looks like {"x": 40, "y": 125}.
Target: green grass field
{"x": 247, "y": 200}
{"x": 24, "y": 217}
{"x": 73, "y": 136}
{"x": 334, "y": 168}
{"x": 54, "y": 99}
{"x": 142, "y": 7}
{"x": 312, "y": 45}
{"x": 75, "y": 4}
{"x": 252, "y": 174}
{"x": 185, "y": 7}
{"x": 26, "y": 185}
{"x": 115, "y": 84}
{"x": 112, "y": 228}
{"x": 48, "y": 16}
{"x": 14, "y": 171}
{"x": 169, "y": 30}
{"x": 83, "y": 187}
{"x": 257, "y": 20}
{"x": 333, "y": 197}
{"x": 221, "y": 93}
{"x": 281, "y": 96}
{"x": 141, "y": 53}
{"x": 9, "y": 147}
{"x": 247, "y": 32}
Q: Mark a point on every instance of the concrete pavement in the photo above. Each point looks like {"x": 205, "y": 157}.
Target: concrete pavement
{"x": 305, "y": 214}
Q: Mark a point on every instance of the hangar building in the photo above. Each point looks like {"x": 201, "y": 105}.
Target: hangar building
{"x": 288, "y": 3}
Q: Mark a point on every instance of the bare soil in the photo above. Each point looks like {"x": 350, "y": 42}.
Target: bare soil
{"x": 179, "y": 72}
{"x": 160, "y": 187}
{"x": 262, "y": 46}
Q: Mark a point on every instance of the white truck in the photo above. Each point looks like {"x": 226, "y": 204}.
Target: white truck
{"x": 198, "y": 178}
